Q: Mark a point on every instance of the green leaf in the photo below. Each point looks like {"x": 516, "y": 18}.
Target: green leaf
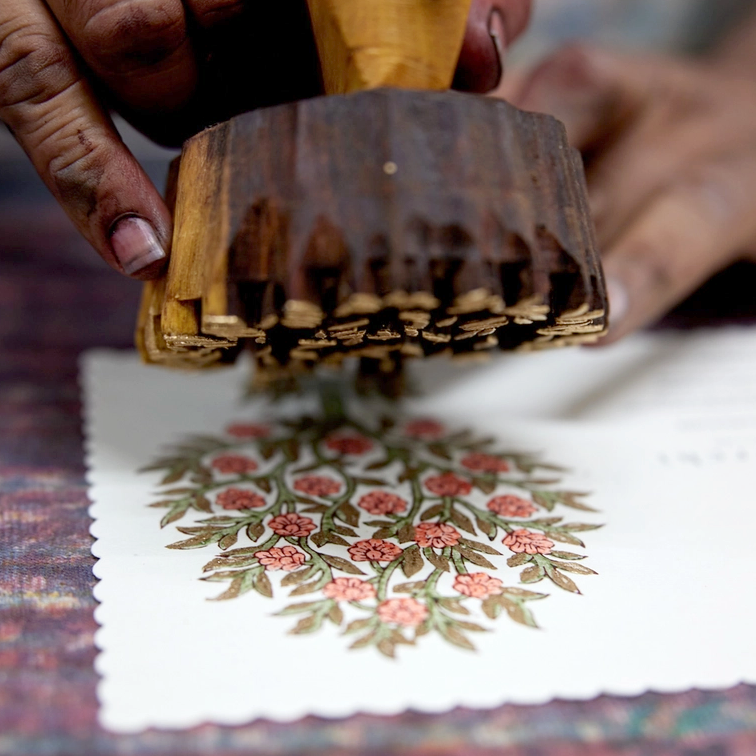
{"x": 350, "y": 514}
{"x": 561, "y": 537}
{"x": 533, "y": 574}
{"x": 517, "y": 560}
{"x": 476, "y": 546}
{"x": 370, "y": 481}
{"x": 305, "y": 588}
{"x": 366, "y": 640}
{"x": 470, "y": 626}
{"x": 386, "y": 647}
{"x": 579, "y": 527}
{"x": 566, "y": 555}
{"x": 307, "y": 625}
{"x": 487, "y": 528}
{"x": 487, "y": 485}
{"x": 399, "y": 639}
{"x": 474, "y": 557}
{"x": 255, "y": 530}
{"x": 262, "y": 585}
{"x": 379, "y": 465}
{"x": 294, "y": 578}
{"x": 384, "y": 533}
{"x": 173, "y": 516}
{"x": 463, "y": 522}
{"x": 437, "y": 560}
{"x": 518, "y": 612}
{"x": 315, "y": 509}
{"x": 578, "y": 569}
{"x": 228, "y": 541}
{"x": 198, "y": 542}
{"x": 406, "y": 533}
{"x": 307, "y": 500}
{"x": 439, "y": 451}
{"x": 319, "y": 538}
{"x": 263, "y": 484}
{"x": 341, "y": 530}
{"x": 491, "y": 607}
{"x": 562, "y": 581}
{"x": 202, "y": 503}
{"x": 412, "y": 561}
{"x": 453, "y": 605}
{"x": 423, "y": 629}
{"x": 336, "y": 615}
{"x": 232, "y": 591}
{"x": 456, "y": 637}
{"x": 333, "y": 538}
{"x": 409, "y": 587}
{"x": 222, "y": 563}
{"x": 432, "y": 512}
{"x": 356, "y": 625}
{"x": 291, "y": 449}
{"x": 298, "y": 608}
{"x": 521, "y": 593}
{"x": 174, "y": 475}
{"x": 379, "y": 523}
{"x": 342, "y": 564}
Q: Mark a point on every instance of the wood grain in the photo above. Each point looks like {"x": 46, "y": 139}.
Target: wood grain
{"x": 382, "y": 225}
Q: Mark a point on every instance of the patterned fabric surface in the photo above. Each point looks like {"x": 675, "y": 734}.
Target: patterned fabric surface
{"x": 57, "y": 299}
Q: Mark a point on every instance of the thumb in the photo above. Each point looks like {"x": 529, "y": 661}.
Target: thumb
{"x": 592, "y": 91}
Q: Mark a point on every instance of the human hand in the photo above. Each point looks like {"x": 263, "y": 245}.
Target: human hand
{"x": 171, "y": 67}
{"x": 670, "y": 151}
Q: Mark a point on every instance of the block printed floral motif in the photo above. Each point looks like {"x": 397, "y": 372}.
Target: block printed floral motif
{"x": 387, "y": 531}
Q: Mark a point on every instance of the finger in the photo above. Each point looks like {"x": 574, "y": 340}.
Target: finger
{"x": 140, "y": 49}
{"x": 690, "y": 230}
{"x": 636, "y": 165}
{"x": 491, "y": 27}
{"x": 593, "y": 92}
{"x": 73, "y": 145}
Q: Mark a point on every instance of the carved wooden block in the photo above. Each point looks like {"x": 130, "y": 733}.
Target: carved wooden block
{"x": 383, "y": 225}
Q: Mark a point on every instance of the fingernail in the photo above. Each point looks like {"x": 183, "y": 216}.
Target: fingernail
{"x": 619, "y": 302}
{"x": 498, "y": 32}
{"x": 135, "y": 244}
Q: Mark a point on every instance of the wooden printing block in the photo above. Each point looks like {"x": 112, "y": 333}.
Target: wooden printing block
{"x": 382, "y": 224}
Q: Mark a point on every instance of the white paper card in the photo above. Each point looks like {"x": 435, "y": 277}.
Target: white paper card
{"x": 658, "y": 435}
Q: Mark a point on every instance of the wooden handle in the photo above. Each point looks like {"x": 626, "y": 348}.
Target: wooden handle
{"x": 410, "y": 44}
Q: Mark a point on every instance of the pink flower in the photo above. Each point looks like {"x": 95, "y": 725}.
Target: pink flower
{"x": 424, "y": 428}
{"x": 317, "y": 485}
{"x": 382, "y": 503}
{"x": 349, "y": 589}
{"x": 353, "y": 444}
{"x": 436, "y": 535}
{"x": 234, "y": 463}
{"x": 248, "y": 430}
{"x": 374, "y": 550}
{"x": 511, "y": 506}
{"x": 448, "y": 484}
{"x": 286, "y": 558}
{"x": 292, "y": 524}
{"x": 484, "y": 463}
{"x": 526, "y": 542}
{"x": 407, "y": 612}
{"x": 237, "y": 498}
{"x": 477, "y": 585}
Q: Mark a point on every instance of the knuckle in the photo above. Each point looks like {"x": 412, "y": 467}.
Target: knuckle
{"x": 75, "y": 174}
{"x": 34, "y": 67}
{"x": 134, "y": 35}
